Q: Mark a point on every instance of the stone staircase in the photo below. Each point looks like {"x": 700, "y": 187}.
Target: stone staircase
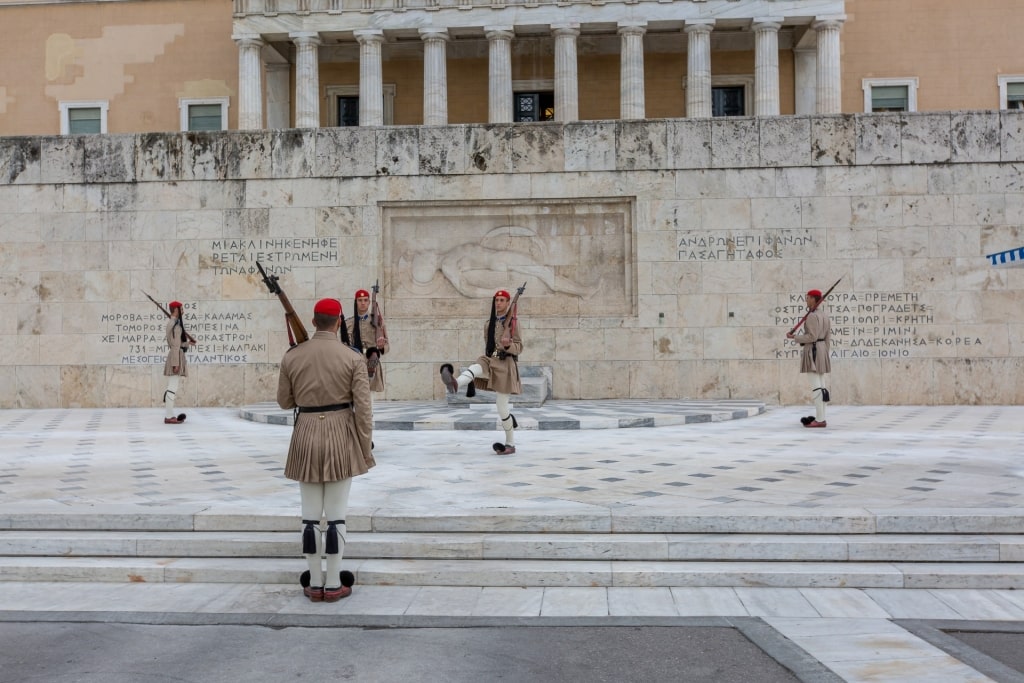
{"x": 502, "y": 547}
{"x": 536, "y": 381}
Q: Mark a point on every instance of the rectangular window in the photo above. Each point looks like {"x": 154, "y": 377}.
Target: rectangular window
{"x": 890, "y": 94}
{"x": 889, "y": 98}
{"x": 1011, "y": 92}
{"x": 348, "y": 110}
{"x": 534, "y": 106}
{"x": 208, "y": 113}
{"x": 205, "y": 117}
{"x": 83, "y": 118}
{"x": 728, "y": 100}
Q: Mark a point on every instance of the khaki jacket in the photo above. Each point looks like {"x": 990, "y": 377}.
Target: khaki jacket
{"x": 368, "y": 336}
{"x": 501, "y": 375}
{"x": 329, "y": 445}
{"x": 176, "y": 356}
{"x": 815, "y": 339}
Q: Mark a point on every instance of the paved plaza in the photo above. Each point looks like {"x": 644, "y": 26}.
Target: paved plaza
{"x": 954, "y": 461}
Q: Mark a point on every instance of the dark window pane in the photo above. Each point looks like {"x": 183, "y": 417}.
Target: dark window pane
{"x": 348, "y": 111}
{"x": 534, "y": 106}
{"x": 728, "y": 101}
{"x": 889, "y": 98}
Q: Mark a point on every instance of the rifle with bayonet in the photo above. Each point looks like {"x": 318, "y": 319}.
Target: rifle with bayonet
{"x": 168, "y": 314}
{"x": 513, "y": 316}
{"x": 296, "y": 330}
{"x": 380, "y": 332}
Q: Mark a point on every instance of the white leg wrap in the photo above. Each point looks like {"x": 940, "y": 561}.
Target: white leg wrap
{"x": 312, "y": 508}
{"x": 469, "y": 374}
{"x": 169, "y": 395}
{"x": 505, "y": 415}
{"x": 335, "y": 508}
{"x": 817, "y": 384}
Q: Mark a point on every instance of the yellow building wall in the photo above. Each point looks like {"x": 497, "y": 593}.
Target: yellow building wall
{"x": 139, "y": 56}
{"x": 955, "y": 48}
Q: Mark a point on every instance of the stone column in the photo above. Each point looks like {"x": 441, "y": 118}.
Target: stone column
{"x": 766, "y": 67}
{"x": 435, "y": 76}
{"x": 371, "y": 77}
{"x": 567, "y": 100}
{"x": 307, "y": 79}
{"x": 250, "y": 82}
{"x": 499, "y": 74}
{"x": 279, "y": 95}
{"x": 698, "y": 69}
{"x": 631, "y": 78}
{"x": 829, "y": 83}
{"x": 805, "y": 74}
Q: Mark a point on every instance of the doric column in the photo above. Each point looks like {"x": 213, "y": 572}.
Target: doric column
{"x": 805, "y": 76}
{"x": 766, "y": 67}
{"x": 371, "y": 77}
{"x": 567, "y": 105}
{"x": 250, "y": 82}
{"x": 631, "y": 77}
{"x": 499, "y": 73}
{"x": 698, "y": 69}
{"x": 307, "y": 79}
{"x": 829, "y": 83}
{"x": 435, "y": 76}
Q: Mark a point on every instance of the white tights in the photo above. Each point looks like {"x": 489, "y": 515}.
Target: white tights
{"x": 330, "y": 500}
{"x": 502, "y": 402}
{"x": 172, "y": 390}
{"x": 818, "y": 382}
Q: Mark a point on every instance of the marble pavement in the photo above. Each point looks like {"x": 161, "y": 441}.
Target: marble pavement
{"x": 943, "y": 461}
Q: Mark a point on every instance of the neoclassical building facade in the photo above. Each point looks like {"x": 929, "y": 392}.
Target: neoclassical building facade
{"x": 126, "y": 66}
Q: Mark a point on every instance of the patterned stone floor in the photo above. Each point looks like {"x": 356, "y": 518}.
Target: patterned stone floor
{"x": 947, "y": 458}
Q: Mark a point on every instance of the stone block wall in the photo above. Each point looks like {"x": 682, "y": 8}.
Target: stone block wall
{"x": 663, "y": 258}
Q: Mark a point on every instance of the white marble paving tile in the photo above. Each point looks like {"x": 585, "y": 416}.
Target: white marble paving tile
{"x": 908, "y": 603}
{"x": 832, "y": 603}
{"x": 445, "y": 601}
{"x": 941, "y": 669}
{"x": 509, "y": 602}
{"x": 379, "y": 600}
{"x": 775, "y": 602}
{"x": 640, "y": 602}
{"x": 831, "y": 627}
{"x": 980, "y": 604}
{"x": 575, "y": 602}
{"x": 708, "y": 602}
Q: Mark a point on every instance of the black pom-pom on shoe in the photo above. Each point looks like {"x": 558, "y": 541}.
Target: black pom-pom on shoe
{"x": 347, "y": 578}
{"x": 806, "y": 420}
{"x": 181, "y": 417}
{"x": 304, "y": 579}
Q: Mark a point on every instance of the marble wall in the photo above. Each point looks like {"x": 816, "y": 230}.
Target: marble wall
{"x": 663, "y": 258}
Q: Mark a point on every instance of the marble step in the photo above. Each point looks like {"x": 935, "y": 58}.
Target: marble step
{"x": 593, "y": 520}
{"x": 561, "y": 573}
{"x": 536, "y": 381}
{"x": 477, "y": 546}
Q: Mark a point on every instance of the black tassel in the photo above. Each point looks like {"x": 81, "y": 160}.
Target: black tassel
{"x": 332, "y": 536}
{"x": 309, "y": 537}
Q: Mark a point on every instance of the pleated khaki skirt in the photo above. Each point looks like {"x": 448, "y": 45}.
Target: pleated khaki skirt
{"x": 325, "y": 447}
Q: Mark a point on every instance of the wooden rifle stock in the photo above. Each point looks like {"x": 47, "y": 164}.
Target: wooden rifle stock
{"x": 513, "y": 314}
{"x": 296, "y": 330}
{"x": 168, "y": 314}
{"x": 823, "y": 297}
{"x": 376, "y": 316}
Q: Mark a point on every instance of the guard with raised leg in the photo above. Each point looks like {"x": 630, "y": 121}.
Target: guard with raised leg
{"x": 498, "y": 369}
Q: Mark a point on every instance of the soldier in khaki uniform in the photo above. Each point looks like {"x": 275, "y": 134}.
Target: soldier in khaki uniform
{"x": 176, "y": 365}
{"x": 815, "y": 340}
{"x": 326, "y": 380}
{"x": 497, "y": 370}
{"x": 371, "y": 341}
